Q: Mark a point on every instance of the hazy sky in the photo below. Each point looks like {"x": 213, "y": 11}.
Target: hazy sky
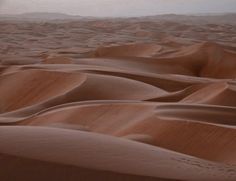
{"x": 117, "y": 7}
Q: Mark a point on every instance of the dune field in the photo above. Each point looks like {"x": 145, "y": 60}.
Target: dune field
{"x": 150, "y": 98}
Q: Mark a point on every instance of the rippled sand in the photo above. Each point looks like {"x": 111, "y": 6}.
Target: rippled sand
{"x": 117, "y": 99}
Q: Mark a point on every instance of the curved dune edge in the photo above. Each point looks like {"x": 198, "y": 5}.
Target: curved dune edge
{"x": 73, "y": 87}
{"x": 169, "y": 126}
{"x": 154, "y": 122}
{"x": 133, "y": 111}
{"x": 139, "y": 158}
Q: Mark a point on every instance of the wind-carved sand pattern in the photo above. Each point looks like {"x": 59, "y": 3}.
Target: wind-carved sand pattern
{"x": 118, "y": 99}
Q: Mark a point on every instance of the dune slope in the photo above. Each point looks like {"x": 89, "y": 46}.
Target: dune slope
{"x": 132, "y": 99}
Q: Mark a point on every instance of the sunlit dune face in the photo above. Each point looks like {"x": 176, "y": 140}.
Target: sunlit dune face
{"x": 110, "y": 99}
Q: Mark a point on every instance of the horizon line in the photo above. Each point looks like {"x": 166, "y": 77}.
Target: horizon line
{"x": 157, "y": 14}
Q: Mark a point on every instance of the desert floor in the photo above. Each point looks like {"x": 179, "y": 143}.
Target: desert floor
{"x": 118, "y": 99}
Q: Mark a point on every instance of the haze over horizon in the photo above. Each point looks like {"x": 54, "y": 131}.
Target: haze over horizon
{"x": 113, "y": 8}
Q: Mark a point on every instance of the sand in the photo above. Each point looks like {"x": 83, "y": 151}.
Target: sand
{"x": 118, "y": 99}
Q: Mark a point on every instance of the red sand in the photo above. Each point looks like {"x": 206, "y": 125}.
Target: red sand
{"x": 129, "y": 109}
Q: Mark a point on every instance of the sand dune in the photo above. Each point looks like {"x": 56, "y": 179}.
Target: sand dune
{"x": 111, "y": 156}
{"x": 110, "y": 99}
{"x": 131, "y": 50}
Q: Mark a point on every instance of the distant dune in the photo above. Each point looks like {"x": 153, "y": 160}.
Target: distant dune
{"x": 212, "y": 17}
{"x": 39, "y": 16}
{"x": 151, "y": 98}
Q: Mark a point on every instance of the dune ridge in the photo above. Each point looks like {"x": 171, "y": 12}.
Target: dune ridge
{"x": 117, "y": 100}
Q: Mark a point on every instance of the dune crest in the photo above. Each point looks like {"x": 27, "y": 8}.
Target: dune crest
{"x": 118, "y": 99}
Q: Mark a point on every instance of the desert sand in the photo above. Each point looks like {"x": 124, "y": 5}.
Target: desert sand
{"x": 150, "y": 98}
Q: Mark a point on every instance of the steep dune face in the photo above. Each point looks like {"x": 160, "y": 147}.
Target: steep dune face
{"x": 117, "y": 104}
{"x": 205, "y": 60}
{"x": 146, "y": 122}
{"x": 216, "y": 94}
{"x": 29, "y": 87}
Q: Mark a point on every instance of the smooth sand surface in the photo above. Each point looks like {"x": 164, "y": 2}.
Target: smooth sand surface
{"x": 117, "y": 99}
